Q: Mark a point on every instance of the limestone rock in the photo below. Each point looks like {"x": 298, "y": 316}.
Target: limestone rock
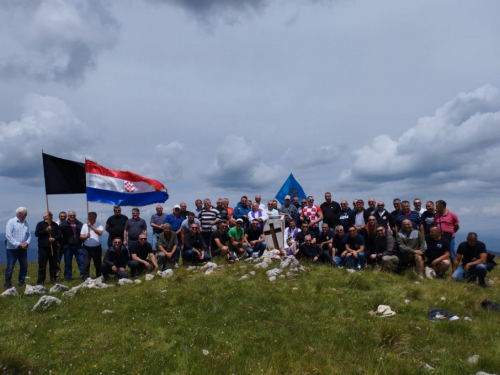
{"x": 44, "y": 302}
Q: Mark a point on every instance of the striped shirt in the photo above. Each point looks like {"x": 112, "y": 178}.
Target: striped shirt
{"x": 206, "y": 217}
{"x": 17, "y": 233}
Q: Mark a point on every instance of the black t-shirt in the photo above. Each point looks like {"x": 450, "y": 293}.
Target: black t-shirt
{"x": 116, "y": 225}
{"x": 428, "y": 221}
{"x": 356, "y": 242}
{"x": 253, "y": 235}
{"x": 471, "y": 254}
{"x": 436, "y": 248}
{"x": 326, "y": 236}
{"x": 331, "y": 213}
{"x": 141, "y": 251}
{"x": 223, "y": 238}
{"x": 301, "y": 235}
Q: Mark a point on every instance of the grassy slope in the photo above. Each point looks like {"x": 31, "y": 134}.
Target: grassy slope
{"x": 254, "y": 326}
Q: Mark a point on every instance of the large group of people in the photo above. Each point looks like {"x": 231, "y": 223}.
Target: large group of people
{"x": 331, "y": 233}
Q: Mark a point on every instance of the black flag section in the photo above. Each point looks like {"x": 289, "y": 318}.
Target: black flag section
{"x": 63, "y": 176}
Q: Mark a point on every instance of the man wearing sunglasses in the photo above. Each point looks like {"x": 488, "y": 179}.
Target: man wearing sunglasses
{"x": 139, "y": 252}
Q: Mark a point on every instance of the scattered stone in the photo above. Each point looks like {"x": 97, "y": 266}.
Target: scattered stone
{"x": 125, "y": 281}
{"x": 209, "y": 265}
{"x": 44, "y": 302}
{"x": 165, "y": 274}
{"x": 274, "y": 272}
{"x": 149, "y": 277}
{"x": 107, "y": 312}
{"x": 272, "y": 278}
{"x": 58, "y": 288}
{"x": 407, "y": 301}
{"x": 282, "y": 276}
{"x": 468, "y": 318}
{"x": 205, "y": 352}
{"x": 483, "y": 373}
{"x": 137, "y": 281}
{"x": 474, "y": 359}
{"x": 27, "y": 278}
{"x": 209, "y": 271}
{"x": 417, "y": 282}
{"x": 164, "y": 291}
{"x": 295, "y": 288}
{"x": 10, "y": 292}
{"x": 442, "y": 298}
{"x": 350, "y": 270}
{"x": 491, "y": 282}
{"x": 191, "y": 268}
{"x": 262, "y": 265}
{"x": 243, "y": 267}
{"x": 244, "y": 277}
{"x": 96, "y": 283}
{"x": 252, "y": 273}
{"x": 34, "y": 289}
{"x": 429, "y": 367}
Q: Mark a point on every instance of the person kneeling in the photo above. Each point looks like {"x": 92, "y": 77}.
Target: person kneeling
{"x": 473, "y": 255}
{"x": 115, "y": 260}
{"x": 139, "y": 252}
{"x": 194, "y": 249}
{"x": 311, "y": 251}
{"x": 437, "y": 254}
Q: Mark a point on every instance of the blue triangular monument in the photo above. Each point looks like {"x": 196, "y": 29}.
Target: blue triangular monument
{"x": 292, "y": 188}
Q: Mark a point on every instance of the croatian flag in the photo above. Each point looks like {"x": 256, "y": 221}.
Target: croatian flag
{"x": 121, "y": 188}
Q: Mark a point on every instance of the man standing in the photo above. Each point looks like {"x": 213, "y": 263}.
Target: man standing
{"x": 62, "y": 218}
{"x": 371, "y": 207}
{"x": 184, "y": 212}
{"x": 407, "y": 214}
{"x": 134, "y": 227}
{"x": 48, "y": 234}
{"x": 344, "y": 215}
{"x": 186, "y": 224}
{"x": 447, "y": 221}
{"x": 115, "y": 260}
{"x": 289, "y": 240}
{"x": 270, "y": 210}
{"x": 72, "y": 245}
{"x": 195, "y": 249}
{"x": 156, "y": 222}
{"x": 258, "y": 215}
{"x": 331, "y": 210}
{"x": 359, "y": 217}
{"x": 258, "y": 199}
{"x": 115, "y": 225}
{"x": 437, "y": 254}
{"x": 223, "y": 213}
{"x": 175, "y": 220}
{"x": 254, "y": 237}
{"x": 91, "y": 237}
{"x": 411, "y": 247}
{"x": 312, "y": 214}
{"x": 473, "y": 255}
{"x": 168, "y": 248}
{"x": 428, "y": 217}
{"x": 383, "y": 217}
{"x": 230, "y": 210}
{"x": 241, "y": 210}
{"x": 17, "y": 233}
{"x": 417, "y": 206}
{"x": 397, "y": 207}
{"x": 289, "y": 211}
{"x": 209, "y": 217}
{"x": 139, "y": 251}
{"x": 199, "y": 207}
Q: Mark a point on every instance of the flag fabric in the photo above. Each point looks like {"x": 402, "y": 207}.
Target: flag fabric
{"x": 63, "y": 176}
{"x": 292, "y": 188}
{"x": 121, "y": 188}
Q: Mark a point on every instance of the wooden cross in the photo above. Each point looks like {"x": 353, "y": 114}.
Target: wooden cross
{"x": 272, "y": 231}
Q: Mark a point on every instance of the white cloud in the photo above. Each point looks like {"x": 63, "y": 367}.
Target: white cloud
{"x": 460, "y": 143}
{"x": 315, "y": 157}
{"x": 493, "y": 210}
{"x": 167, "y": 162}
{"x": 239, "y": 164}
{"x": 54, "y": 40}
{"x": 46, "y": 123}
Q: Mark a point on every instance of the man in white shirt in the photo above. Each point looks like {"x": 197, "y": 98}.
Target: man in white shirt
{"x": 91, "y": 237}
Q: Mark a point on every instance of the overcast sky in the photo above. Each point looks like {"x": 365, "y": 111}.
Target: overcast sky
{"x": 359, "y": 98}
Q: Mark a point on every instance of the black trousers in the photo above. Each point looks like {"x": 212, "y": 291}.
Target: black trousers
{"x": 94, "y": 253}
{"x": 44, "y": 256}
{"x": 106, "y": 270}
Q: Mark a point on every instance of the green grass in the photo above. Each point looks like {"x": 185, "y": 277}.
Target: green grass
{"x": 253, "y": 326}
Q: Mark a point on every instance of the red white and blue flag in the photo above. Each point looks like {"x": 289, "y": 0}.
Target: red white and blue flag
{"x": 121, "y": 188}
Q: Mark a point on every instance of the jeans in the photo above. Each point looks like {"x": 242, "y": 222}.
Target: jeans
{"x": 191, "y": 256}
{"x": 353, "y": 262}
{"x": 453, "y": 252}
{"x": 94, "y": 253}
{"x": 338, "y": 260}
{"x": 154, "y": 241}
{"x": 259, "y": 248}
{"x": 68, "y": 261}
{"x": 14, "y": 255}
{"x": 46, "y": 255}
{"x": 477, "y": 271}
{"x": 136, "y": 267}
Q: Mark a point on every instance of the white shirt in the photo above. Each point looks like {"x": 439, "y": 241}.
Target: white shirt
{"x": 95, "y": 239}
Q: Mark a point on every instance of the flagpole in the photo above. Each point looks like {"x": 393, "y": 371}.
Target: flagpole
{"x": 50, "y": 219}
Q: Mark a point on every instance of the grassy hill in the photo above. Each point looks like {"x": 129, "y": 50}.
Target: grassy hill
{"x": 315, "y": 323}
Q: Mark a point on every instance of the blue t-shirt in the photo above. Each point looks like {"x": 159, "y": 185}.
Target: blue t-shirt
{"x": 174, "y": 222}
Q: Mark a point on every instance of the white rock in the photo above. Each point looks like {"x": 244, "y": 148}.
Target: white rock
{"x": 44, "y": 302}
{"x": 417, "y": 282}
{"x": 282, "y": 276}
{"x": 165, "y": 274}
{"x": 243, "y": 267}
{"x": 164, "y": 291}
{"x": 302, "y": 268}
{"x": 209, "y": 271}
{"x": 149, "y": 277}
{"x": 137, "y": 281}
{"x": 442, "y": 298}
{"x": 262, "y": 265}
{"x": 483, "y": 373}
{"x": 295, "y": 288}
{"x": 125, "y": 281}
{"x": 244, "y": 277}
{"x": 272, "y": 278}
{"x": 491, "y": 282}
{"x": 274, "y": 272}
{"x": 474, "y": 359}
{"x": 107, "y": 312}
{"x": 209, "y": 265}
{"x": 191, "y": 268}
{"x": 429, "y": 367}
{"x": 468, "y": 318}
{"x": 58, "y": 288}
{"x": 10, "y": 292}
{"x": 350, "y": 270}
{"x": 27, "y": 278}
{"x": 407, "y": 301}
{"x": 96, "y": 283}
{"x": 205, "y": 352}
{"x": 34, "y": 289}
{"x": 252, "y": 273}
